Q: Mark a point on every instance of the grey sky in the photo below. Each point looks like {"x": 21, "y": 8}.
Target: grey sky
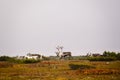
{"x": 38, "y": 26}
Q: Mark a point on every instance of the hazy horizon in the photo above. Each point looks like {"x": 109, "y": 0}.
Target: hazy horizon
{"x": 38, "y": 26}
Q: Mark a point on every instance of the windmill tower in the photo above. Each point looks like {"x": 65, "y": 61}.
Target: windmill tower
{"x": 59, "y": 51}
{"x": 59, "y": 48}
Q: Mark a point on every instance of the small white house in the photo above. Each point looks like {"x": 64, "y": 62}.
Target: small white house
{"x": 34, "y": 56}
{"x": 30, "y": 56}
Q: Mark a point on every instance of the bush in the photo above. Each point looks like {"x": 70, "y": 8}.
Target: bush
{"x": 79, "y": 58}
{"x": 5, "y": 58}
{"x": 101, "y": 58}
{"x": 30, "y": 61}
{"x": 26, "y": 61}
{"x": 109, "y": 54}
{"x": 13, "y": 60}
{"x": 118, "y": 56}
{"x": 75, "y": 66}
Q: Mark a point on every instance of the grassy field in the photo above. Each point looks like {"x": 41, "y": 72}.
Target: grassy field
{"x": 61, "y": 70}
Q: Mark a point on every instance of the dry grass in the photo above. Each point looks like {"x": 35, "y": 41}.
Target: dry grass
{"x": 60, "y": 70}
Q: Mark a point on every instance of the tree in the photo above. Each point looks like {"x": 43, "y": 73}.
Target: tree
{"x": 109, "y": 54}
{"x": 118, "y": 56}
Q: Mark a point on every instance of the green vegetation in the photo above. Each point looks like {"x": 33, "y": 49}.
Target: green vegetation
{"x": 5, "y": 58}
{"x": 111, "y": 54}
{"x": 107, "y": 56}
{"x": 60, "y": 70}
{"x": 101, "y": 58}
{"x": 76, "y": 66}
{"x": 26, "y": 61}
{"x": 118, "y": 56}
{"x": 20, "y": 61}
{"x": 105, "y": 67}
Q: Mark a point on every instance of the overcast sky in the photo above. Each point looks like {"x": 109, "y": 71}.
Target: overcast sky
{"x": 38, "y": 26}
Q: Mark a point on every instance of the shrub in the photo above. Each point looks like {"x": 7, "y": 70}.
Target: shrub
{"x": 118, "y": 56}
{"x": 26, "y": 61}
{"x": 14, "y": 60}
{"x": 101, "y": 58}
{"x": 5, "y": 58}
{"x": 30, "y": 61}
{"x": 109, "y": 54}
{"x": 75, "y": 66}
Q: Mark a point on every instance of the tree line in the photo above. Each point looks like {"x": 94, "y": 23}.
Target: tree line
{"x": 106, "y": 56}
